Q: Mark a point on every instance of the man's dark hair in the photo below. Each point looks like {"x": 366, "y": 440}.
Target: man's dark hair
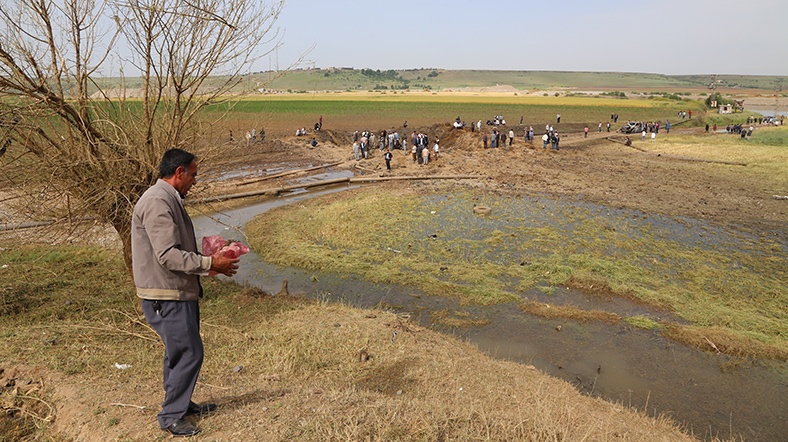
{"x": 172, "y": 159}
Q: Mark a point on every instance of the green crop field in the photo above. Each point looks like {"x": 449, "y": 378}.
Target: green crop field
{"x": 375, "y": 111}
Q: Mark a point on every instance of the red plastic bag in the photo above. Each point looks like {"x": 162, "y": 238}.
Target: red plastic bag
{"x": 216, "y": 245}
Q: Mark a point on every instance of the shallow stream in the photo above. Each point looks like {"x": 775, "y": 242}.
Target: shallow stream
{"x": 711, "y": 395}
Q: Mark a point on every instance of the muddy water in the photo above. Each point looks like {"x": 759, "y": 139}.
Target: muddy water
{"x": 711, "y": 395}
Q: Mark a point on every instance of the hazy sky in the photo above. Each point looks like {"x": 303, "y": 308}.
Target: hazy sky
{"x": 657, "y": 36}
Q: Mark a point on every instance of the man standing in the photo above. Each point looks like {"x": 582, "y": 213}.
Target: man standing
{"x": 387, "y": 156}
{"x": 167, "y": 269}
{"x": 425, "y": 155}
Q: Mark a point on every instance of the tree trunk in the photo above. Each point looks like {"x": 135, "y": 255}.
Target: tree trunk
{"x": 121, "y": 222}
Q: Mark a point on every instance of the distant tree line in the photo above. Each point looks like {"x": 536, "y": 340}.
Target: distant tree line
{"x": 390, "y": 74}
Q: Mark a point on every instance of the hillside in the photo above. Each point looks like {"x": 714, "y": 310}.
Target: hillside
{"x": 439, "y": 79}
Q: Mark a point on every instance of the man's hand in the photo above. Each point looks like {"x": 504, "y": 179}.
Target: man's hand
{"x": 226, "y": 266}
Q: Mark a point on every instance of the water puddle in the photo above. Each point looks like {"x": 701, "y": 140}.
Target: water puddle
{"x": 712, "y": 395}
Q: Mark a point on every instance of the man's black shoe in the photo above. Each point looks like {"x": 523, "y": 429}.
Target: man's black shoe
{"x": 182, "y": 428}
{"x": 200, "y": 409}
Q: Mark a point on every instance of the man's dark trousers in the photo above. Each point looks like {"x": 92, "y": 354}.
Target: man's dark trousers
{"x": 178, "y": 325}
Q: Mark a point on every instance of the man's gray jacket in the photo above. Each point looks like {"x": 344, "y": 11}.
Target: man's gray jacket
{"x": 165, "y": 260}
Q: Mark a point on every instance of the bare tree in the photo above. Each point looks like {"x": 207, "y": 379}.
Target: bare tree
{"x": 78, "y": 143}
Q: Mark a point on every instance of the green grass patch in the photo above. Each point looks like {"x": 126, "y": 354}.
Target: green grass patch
{"x": 765, "y": 155}
{"x": 642, "y": 322}
{"x": 431, "y": 109}
{"x": 438, "y": 245}
{"x": 771, "y": 136}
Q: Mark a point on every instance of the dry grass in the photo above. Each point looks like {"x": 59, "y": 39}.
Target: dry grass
{"x": 721, "y": 340}
{"x": 765, "y": 162}
{"x": 280, "y": 368}
{"x": 549, "y": 311}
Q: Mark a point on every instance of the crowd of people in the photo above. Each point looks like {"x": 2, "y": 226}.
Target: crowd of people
{"x": 551, "y": 137}
{"x": 252, "y": 136}
{"x": 422, "y": 152}
{"x": 737, "y": 129}
{"x": 773, "y": 120}
{"x": 497, "y": 120}
{"x": 361, "y": 141}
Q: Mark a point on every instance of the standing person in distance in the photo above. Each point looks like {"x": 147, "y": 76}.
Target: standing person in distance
{"x": 387, "y": 156}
